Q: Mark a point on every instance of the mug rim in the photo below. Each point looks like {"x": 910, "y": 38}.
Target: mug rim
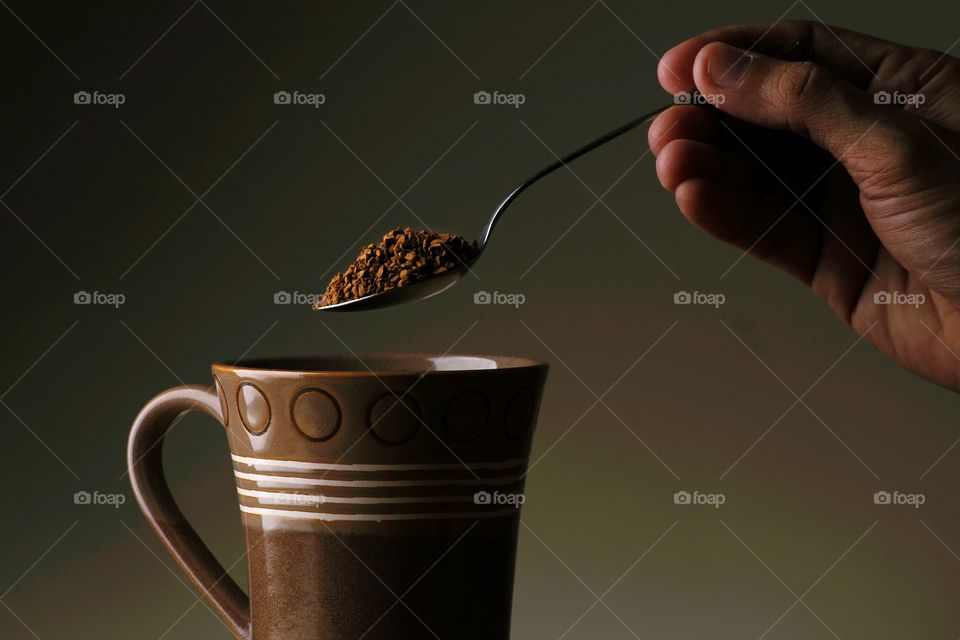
{"x": 363, "y": 365}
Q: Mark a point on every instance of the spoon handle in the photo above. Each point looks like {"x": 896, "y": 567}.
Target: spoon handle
{"x": 565, "y": 160}
{"x": 791, "y": 51}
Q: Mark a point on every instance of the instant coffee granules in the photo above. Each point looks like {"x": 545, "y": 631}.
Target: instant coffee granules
{"x": 403, "y": 257}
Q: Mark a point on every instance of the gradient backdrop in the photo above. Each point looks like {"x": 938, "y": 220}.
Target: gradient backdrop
{"x": 199, "y": 199}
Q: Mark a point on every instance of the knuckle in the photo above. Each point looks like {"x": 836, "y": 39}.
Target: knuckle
{"x": 801, "y": 84}
{"x": 927, "y": 59}
{"x": 932, "y": 65}
{"x": 801, "y": 29}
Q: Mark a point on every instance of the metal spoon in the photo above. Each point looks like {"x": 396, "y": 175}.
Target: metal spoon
{"x": 432, "y": 285}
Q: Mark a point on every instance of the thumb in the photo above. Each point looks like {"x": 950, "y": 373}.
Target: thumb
{"x": 803, "y": 97}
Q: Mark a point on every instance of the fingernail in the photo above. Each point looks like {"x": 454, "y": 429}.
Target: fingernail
{"x": 728, "y": 66}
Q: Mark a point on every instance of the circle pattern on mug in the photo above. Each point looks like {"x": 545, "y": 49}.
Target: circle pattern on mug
{"x": 467, "y": 416}
{"x": 253, "y": 408}
{"x": 394, "y": 421}
{"x": 224, "y": 409}
{"x": 316, "y": 414}
{"x": 519, "y": 414}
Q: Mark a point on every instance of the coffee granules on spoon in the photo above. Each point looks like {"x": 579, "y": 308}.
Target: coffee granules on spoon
{"x": 403, "y": 257}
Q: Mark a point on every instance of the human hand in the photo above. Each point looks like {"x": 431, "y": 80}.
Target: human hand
{"x": 799, "y": 166}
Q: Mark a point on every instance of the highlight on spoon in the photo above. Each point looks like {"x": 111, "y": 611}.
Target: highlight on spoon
{"x": 405, "y": 265}
{"x": 420, "y": 290}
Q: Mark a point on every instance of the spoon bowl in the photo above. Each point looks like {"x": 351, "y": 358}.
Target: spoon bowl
{"x": 419, "y": 290}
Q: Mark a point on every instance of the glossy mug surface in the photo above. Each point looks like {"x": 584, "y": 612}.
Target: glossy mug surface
{"x": 380, "y": 495}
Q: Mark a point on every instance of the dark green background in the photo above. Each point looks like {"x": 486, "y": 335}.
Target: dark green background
{"x": 597, "y": 499}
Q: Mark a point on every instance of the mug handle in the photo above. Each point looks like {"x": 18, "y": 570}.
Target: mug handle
{"x": 145, "y": 464}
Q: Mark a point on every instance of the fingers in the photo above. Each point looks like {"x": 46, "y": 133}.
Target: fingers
{"x": 855, "y": 57}
{"x": 683, "y": 160}
{"x": 683, "y": 122}
{"x": 730, "y": 195}
{"x": 766, "y": 227}
{"x": 725, "y": 192}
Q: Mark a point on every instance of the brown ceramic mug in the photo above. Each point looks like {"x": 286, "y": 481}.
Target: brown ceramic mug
{"x": 379, "y": 494}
